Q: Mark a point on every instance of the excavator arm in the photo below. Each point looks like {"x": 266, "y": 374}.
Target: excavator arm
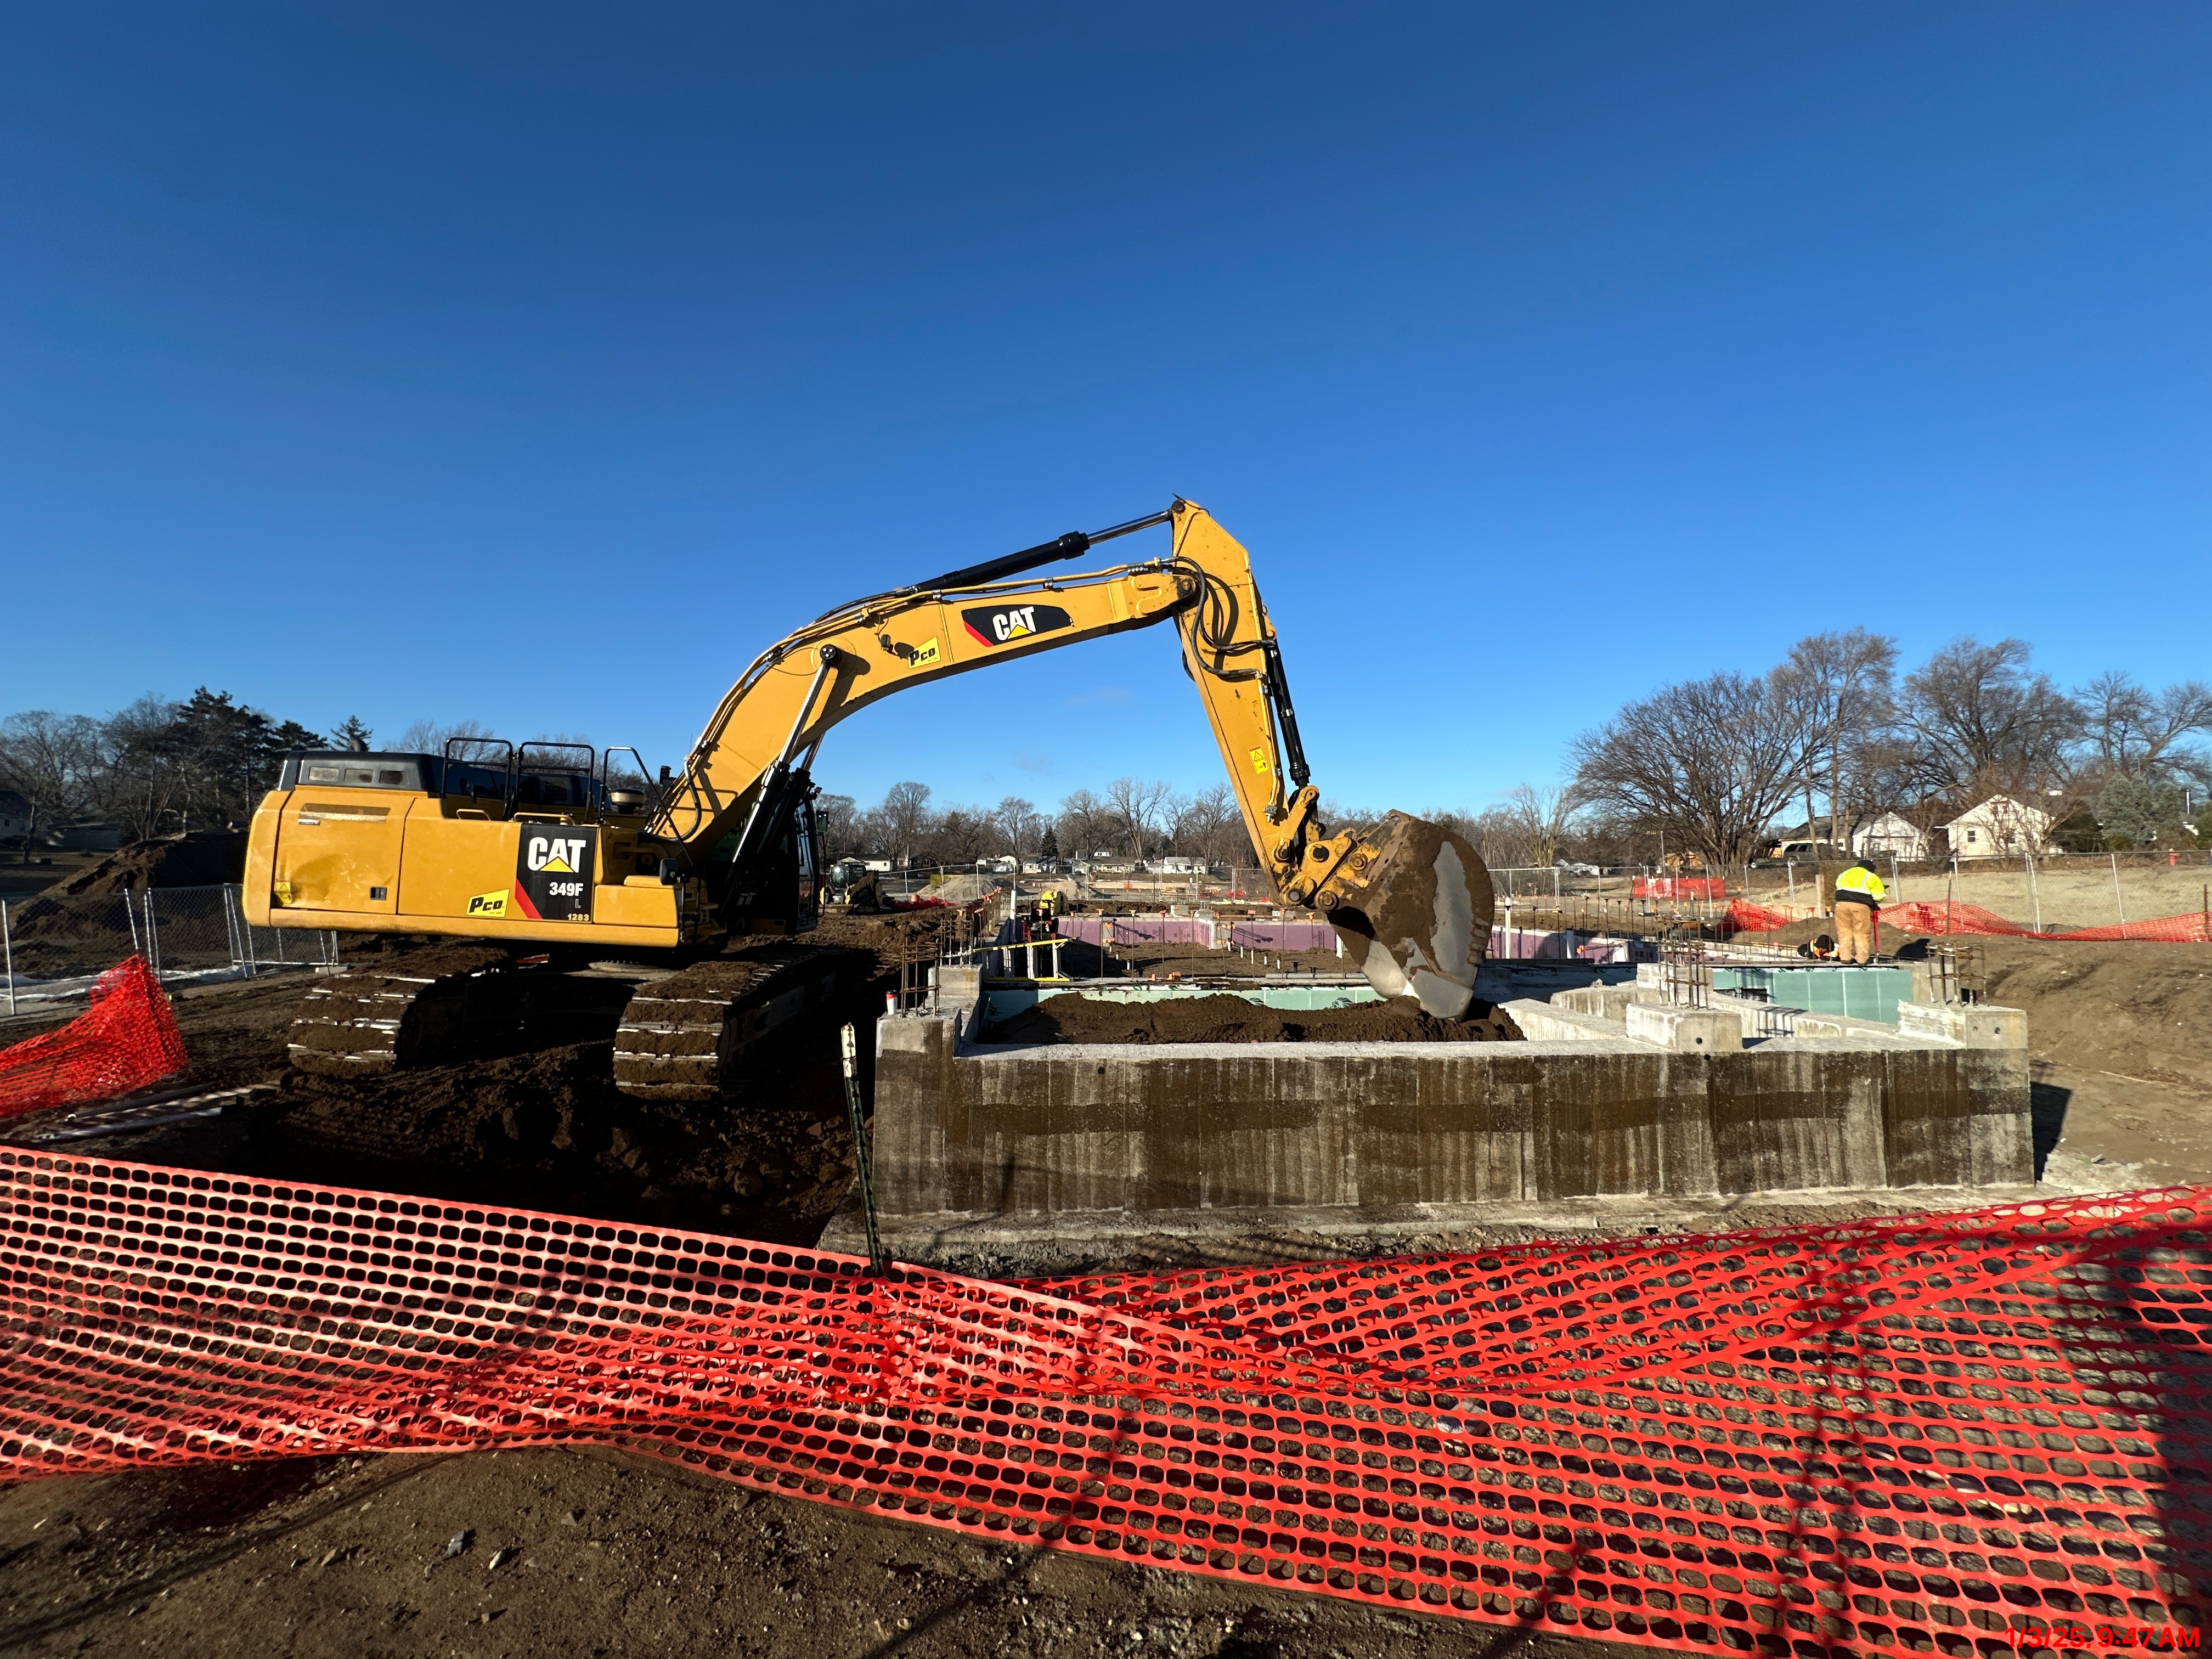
{"x": 1417, "y": 896}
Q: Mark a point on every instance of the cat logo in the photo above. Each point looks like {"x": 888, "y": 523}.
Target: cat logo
{"x": 1012, "y": 622}
{"x": 555, "y": 856}
{"x": 487, "y": 904}
{"x": 553, "y": 875}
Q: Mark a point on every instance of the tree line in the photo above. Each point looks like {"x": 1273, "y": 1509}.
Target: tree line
{"x": 1136, "y": 818}
{"x": 1832, "y": 737}
{"x": 1833, "y": 732}
{"x": 156, "y": 768}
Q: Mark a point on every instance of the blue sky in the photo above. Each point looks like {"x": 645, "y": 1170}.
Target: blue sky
{"x": 539, "y": 365}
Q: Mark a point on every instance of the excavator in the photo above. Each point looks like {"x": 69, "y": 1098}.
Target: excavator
{"x": 547, "y": 854}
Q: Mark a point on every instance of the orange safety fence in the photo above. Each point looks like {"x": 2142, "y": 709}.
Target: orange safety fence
{"x": 126, "y": 1039}
{"x": 1937, "y": 1433}
{"x": 1955, "y": 916}
{"x": 1745, "y": 917}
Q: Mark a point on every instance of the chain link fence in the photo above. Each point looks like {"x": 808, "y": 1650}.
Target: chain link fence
{"x": 53, "y": 945}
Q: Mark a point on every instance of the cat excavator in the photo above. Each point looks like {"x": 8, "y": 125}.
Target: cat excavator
{"x": 545, "y": 853}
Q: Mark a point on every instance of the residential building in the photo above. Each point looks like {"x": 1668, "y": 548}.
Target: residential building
{"x": 1890, "y": 836}
{"x": 2000, "y": 827}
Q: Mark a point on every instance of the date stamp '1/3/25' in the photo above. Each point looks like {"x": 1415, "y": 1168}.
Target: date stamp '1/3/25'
{"x": 2066, "y": 1634}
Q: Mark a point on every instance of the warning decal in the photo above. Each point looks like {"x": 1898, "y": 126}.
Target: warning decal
{"x": 554, "y": 864}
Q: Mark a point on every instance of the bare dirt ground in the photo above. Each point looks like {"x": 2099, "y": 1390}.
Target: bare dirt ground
{"x": 594, "y": 1552}
{"x": 2075, "y": 890}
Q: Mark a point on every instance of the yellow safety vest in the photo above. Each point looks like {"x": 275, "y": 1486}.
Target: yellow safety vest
{"x": 1863, "y": 882}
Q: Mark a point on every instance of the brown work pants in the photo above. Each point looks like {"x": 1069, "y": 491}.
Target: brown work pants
{"x": 1854, "y": 930}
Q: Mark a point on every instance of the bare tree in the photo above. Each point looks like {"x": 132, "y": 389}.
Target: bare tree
{"x": 1542, "y": 818}
{"x": 906, "y": 818}
{"x": 1136, "y": 808}
{"x": 145, "y": 783}
{"x": 430, "y": 738}
{"x": 1983, "y": 721}
{"x": 52, "y": 761}
{"x": 961, "y": 834}
{"x": 1708, "y": 762}
{"x": 1211, "y": 825}
{"x": 2136, "y": 733}
{"x": 1085, "y": 824}
{"x": 1842, "y": 681}
{"x": 1018, "y": 824}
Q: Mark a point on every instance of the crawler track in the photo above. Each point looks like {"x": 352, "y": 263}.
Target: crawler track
{"x": 681, "y": 1036}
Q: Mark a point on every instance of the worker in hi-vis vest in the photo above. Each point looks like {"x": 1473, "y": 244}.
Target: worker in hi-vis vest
{"x": 1859, "y": 894}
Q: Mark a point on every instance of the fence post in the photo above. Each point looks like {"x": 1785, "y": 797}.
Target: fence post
{"x": 2118, "y": 901}
{"x": 153, "y": 939}
{"x": 234, "y": 899}
{"x": 8, "y": 950}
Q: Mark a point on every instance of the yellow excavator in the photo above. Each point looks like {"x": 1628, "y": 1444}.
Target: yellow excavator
{"x": 546, "y": 852}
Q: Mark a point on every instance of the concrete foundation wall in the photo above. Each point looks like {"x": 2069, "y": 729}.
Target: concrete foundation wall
{"x": 970, "y": 1131}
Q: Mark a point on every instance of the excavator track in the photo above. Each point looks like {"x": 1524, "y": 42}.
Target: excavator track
{"x": 428, "y": 1007}
{"x": 682, "y": 1037}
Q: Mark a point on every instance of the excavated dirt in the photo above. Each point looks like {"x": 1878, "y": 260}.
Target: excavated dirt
{"x": 1073, "y": 1018}
{"x": 201, "y": 858}
{"x": 607, "y": 1553}
{"x": 2136, "y": 1009}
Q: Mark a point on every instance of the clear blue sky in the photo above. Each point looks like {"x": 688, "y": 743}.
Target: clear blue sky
{"x": 541, "y": 364}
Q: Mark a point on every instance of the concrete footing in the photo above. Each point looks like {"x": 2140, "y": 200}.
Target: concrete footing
{"x": 1615, "y": 1102}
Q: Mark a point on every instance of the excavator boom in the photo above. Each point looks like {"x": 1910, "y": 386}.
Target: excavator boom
{"x": 1416, "y": 897}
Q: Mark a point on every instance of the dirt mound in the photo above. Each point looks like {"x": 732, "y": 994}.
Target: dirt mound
{"x": 1074, "y": 1018}
{"x": 2141, "y": 1010}
{"x": 907, "y": 940}
{"x": 200, "y": 858}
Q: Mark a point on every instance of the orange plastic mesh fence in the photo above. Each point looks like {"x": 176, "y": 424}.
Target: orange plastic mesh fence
{"x": 1954, "y": 917}
{"x": 1916, "y": 1435}
{"x": 1745, "y": 917}
{"x": 124, "y": 1040}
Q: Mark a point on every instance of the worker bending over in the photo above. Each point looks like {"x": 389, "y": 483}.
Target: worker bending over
{"x": 1859, "y": 894}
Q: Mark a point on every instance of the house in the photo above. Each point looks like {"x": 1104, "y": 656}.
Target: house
{"x": 1893, "y": 835}
{"x": 2000, "y": 827}
{"x": 14, "y": 815}
{"x": 1177, "y": 864}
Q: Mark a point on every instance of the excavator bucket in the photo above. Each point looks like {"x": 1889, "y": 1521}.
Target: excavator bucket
{"x": 1416, "y": 912}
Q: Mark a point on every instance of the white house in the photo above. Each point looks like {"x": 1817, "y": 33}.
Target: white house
{"x": 1177, "y": 864}
{"x": 1890, "y": 834}
{"x": 2000, "y": 827}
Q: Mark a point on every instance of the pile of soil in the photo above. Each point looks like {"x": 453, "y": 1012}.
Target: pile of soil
{"x": 2137, "y": 1009}
{"x": 199, "y": 858}
{"x": 1074, "y": 1018}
